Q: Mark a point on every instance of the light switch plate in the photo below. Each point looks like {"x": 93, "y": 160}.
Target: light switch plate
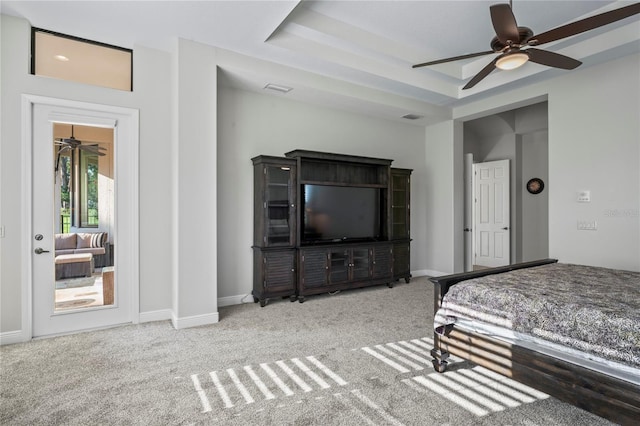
{"x": 584, "y": 196}
{"x": 587, "y": 225}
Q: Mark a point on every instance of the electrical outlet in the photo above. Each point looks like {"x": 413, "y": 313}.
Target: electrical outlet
{"x": 587, "y": 225}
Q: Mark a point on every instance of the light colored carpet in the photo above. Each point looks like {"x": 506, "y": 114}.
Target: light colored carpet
{"x": 359, "y": 357}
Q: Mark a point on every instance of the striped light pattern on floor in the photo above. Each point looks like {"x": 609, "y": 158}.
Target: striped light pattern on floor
{"x": 476, "y": 389}
{"x": 249, "y": 384}
{"x": 366, "y": 409}
{"x": 406, "y": 356}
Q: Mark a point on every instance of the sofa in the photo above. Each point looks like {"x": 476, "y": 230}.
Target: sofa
{"x": 96, "y": 243}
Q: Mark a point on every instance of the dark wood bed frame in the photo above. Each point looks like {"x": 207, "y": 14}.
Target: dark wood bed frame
{"x": 601, "y": 394}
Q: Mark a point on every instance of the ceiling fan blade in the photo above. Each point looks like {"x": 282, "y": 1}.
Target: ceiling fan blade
{"x": 586, "y": 24}
{"x": 504, "y": 23}
{"x": 482, "y": 74}
{"x": 552, "y": 59}
{"x": 454, "y": 58}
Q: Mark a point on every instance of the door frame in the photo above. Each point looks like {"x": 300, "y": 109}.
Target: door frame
{"x": 126, "y": 195}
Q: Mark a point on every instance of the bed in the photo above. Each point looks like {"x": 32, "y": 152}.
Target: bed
{"x": 570, "y": 331}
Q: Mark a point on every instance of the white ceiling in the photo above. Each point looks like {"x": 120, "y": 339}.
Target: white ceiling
{"x": 355, "y": 55}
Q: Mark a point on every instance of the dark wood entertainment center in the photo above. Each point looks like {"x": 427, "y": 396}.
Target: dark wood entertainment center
{"x": 288, "y": 263}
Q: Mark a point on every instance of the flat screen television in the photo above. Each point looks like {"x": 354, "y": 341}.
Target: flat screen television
{"x": 340, "y": 213}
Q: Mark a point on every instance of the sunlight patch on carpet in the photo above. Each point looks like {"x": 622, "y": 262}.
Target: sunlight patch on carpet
{"x": 233, "y": 387}
{"x": 476, "y": 389}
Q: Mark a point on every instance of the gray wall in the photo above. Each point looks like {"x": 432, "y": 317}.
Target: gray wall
{"x": 251, "y": 124}
{"x": 532, "y": 210}
{"x": 594, "y": 144}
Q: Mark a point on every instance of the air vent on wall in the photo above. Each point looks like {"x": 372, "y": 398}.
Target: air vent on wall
{"x": 278, "y": 88}
{"x": 412, "y": 116}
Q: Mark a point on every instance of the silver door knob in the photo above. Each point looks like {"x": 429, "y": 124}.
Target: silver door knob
{"x": 39, "y": 250}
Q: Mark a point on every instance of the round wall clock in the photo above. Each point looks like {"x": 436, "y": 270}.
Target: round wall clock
{"x": 535, "y": 185}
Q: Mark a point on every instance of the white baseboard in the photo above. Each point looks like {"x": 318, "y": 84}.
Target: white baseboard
{"x": 428, "y": 273}
{"x": 420, "y": 273}
{"x": 159, "y": 315}
{"x": 194, "y": 321}
{"x": 235, "y": 300}
{"x": 11, "y": 337}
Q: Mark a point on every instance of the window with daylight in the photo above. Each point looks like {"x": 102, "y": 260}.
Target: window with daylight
{"x": 88, "y": 185}
{"x": 84, "y": 61}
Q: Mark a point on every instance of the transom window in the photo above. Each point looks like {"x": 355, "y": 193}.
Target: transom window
{"x": 75, "y": 59}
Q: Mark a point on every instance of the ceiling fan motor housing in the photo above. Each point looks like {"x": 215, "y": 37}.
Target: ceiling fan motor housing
{"x": 525, "y": 33}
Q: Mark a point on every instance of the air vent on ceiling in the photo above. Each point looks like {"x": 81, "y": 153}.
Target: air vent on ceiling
{"x": 412, "y": 116}
{"x": 278, "y": 88}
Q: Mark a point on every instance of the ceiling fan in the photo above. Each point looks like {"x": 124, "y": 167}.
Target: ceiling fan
{"x": 71, "y": 143}
{"x": 511, "y": 40}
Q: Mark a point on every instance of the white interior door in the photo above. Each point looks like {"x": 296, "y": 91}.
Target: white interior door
{"x": 492, "y": 228}
{"x": 48, "y": 315}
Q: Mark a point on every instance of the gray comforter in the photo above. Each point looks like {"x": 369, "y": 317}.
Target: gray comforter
{"x": 595, "y": 310}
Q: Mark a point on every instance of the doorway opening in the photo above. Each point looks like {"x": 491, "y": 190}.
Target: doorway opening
{"x": 521, "y": 137}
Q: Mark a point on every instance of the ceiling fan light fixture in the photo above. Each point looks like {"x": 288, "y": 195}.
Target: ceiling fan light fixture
{"x": 511, "y": 61}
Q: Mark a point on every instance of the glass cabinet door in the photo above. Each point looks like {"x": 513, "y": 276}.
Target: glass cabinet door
{"x": 278, "y": 206}
{"x": 360, "y": 263}
{"x": 339, "y": 265}
{"x": 399, "y": 206}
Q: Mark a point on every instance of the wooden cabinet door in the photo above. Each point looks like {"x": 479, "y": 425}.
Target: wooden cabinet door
{"x": 279, "y": 271}
{"x": 401, "y": 263}
{"x": 313, "y": 268}
{"x": 382, "y": 265}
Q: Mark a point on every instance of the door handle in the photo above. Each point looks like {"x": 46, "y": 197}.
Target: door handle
{"x": 506, "y": 228}
{"x": 39, "y": 250}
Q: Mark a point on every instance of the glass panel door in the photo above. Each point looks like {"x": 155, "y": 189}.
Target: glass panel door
{"x": 75, "y": 284}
